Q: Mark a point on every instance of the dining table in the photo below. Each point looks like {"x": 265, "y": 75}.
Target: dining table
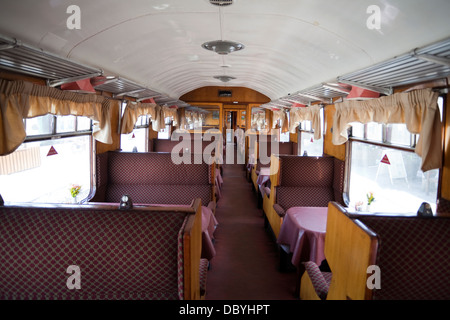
{"x": 303, "y": 233}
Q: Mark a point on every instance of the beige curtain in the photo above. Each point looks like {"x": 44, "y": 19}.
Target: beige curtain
{"x": 312, "y": 113}
{"x": 133, "y": 111}
{"x": 282, "y": 116}
{"x": 20, "y": 100}
{"x": 158, "y": 122}
{"x": 171, "y": 113}
{"x": 418, "y": 109}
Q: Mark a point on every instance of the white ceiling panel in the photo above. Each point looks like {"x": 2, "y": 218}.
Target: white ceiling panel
{"x": 289, "y": 45}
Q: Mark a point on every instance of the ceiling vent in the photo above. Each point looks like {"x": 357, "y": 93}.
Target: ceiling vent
{"x": 221, "y": 3}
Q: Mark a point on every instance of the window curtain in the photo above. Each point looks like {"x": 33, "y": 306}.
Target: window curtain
{"x": 418, "y": 109}
{"x": 20, "y": 100}
{"x": 282, "y": 116}
{"x": 133, "y": 111}
{"x": 258, "y": 120}
{"x": 171, "y": 113}
{"x": 312, "y": 113}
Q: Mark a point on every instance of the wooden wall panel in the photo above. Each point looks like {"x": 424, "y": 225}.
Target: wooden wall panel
{"x": 239, "y": 94}
{"x": 337, "y": 151}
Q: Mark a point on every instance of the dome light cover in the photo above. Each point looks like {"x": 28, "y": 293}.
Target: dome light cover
{"x": 223, "y": 47}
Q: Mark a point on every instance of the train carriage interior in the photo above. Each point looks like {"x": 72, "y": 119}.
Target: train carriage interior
{"x": 223, "y": 150}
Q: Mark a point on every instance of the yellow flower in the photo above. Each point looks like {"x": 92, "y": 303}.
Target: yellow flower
{"x": 75, "y": 190}
{"x": 370, "y": 198}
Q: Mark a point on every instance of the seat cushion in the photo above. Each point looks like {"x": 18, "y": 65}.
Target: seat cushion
{"x": 320, "y": 280}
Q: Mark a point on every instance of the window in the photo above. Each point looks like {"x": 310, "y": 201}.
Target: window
{"x": 166, "y": 132}
{"x": 56, "y": 154}
{"x": 136, "y": 141}
{"x": 383, "y": 161}
{"x": 308, "y": 145}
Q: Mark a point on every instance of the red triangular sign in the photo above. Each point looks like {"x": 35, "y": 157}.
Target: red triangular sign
{"x": 385, "y": 160}
{"x": 52, "y": 151}
{"x": 312, "y": 140}
{"x": 132, "y": 137}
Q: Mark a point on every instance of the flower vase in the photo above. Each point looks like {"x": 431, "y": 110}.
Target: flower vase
{"x": 74, "y": 199}
{"x": 369, "y": 208}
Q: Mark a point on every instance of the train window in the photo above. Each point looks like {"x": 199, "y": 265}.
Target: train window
{"x": 374, "y": 131}
{"x": 65, "y": 124}
{"x": 136, "y": 141}
{"x": 46, "y": 166}
{"x": 166, "y": 132}
{"x": 308, "y": 145}
{"x": 389, "y": 168}
{"x": 398, "y": 134}
{"x": 39, "y": 125}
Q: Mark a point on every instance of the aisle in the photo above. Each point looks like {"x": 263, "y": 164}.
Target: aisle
{"x": 246, "y": 264}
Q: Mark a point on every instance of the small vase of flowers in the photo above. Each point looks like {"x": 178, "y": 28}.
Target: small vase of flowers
{"x": 370, "y": 200}
{"x": 74, "y": 191}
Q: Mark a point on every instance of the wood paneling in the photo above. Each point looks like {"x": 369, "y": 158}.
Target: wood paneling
{"x": 350, "y": 248}
{"x": 239, "y": 94}
{"x": 337, "y": 151}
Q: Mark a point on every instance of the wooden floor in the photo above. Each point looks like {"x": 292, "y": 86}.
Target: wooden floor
{"x": 246, "y": 266}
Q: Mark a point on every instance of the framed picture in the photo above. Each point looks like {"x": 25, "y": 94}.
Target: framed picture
{"x": 215, "y": 115}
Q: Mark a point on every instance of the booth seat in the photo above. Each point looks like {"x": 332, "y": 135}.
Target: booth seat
{"x": 261, "y": 184}
{"x": 409, "y": 252}
{"x": 197, "y": 145}
{"x": 101, "y": 252}
{"x": 153, "y": 178}
{"x": 301, "y": 181}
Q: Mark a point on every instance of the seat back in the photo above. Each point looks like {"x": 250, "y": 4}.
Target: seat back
{"x": 350, "y": 248}
{"x": 309, "y": 181}
{"x": 141, "y": 253}
{"x": 413, "y": 257}
{"x": 153, "y": 178}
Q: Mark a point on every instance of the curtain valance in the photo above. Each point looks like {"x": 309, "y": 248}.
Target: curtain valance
{"x": 20, "y": 100}
{"x": 284, "y": 121}
{"x": 312, "y": 113}
{"x": 133, "y": 111}
{"x": 417, "y": 109}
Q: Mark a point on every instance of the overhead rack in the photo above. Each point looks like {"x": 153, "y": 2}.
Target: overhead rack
{"x": 15, "y": 56}
{"x": 420, "y": 65}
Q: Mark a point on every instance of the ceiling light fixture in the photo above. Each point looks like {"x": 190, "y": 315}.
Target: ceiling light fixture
{"x": 221, "y": 3}
{"x": 223, "y": 47}
{"x": 224, "y": 78}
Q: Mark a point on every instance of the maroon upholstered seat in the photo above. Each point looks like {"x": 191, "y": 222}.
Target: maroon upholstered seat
{"x": 121, "y": 254}
{"x": 152, "y": 178}
{"x": 413, "y": 256}
{"x": 309, "y": 181}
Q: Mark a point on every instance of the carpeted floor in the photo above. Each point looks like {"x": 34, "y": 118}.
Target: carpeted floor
{"x": 246, "y": 263}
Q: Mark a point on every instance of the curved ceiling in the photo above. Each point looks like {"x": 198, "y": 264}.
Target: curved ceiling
{"x": 289, "y": 45}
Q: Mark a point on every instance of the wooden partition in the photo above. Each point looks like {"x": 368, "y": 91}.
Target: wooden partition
{"x": 192, "y": 253}
{"x": 273, "y": 218}
{"x": 350, "y": 248}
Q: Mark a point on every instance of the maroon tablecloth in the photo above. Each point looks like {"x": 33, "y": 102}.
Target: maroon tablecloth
{"x": 303, "y": 230}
